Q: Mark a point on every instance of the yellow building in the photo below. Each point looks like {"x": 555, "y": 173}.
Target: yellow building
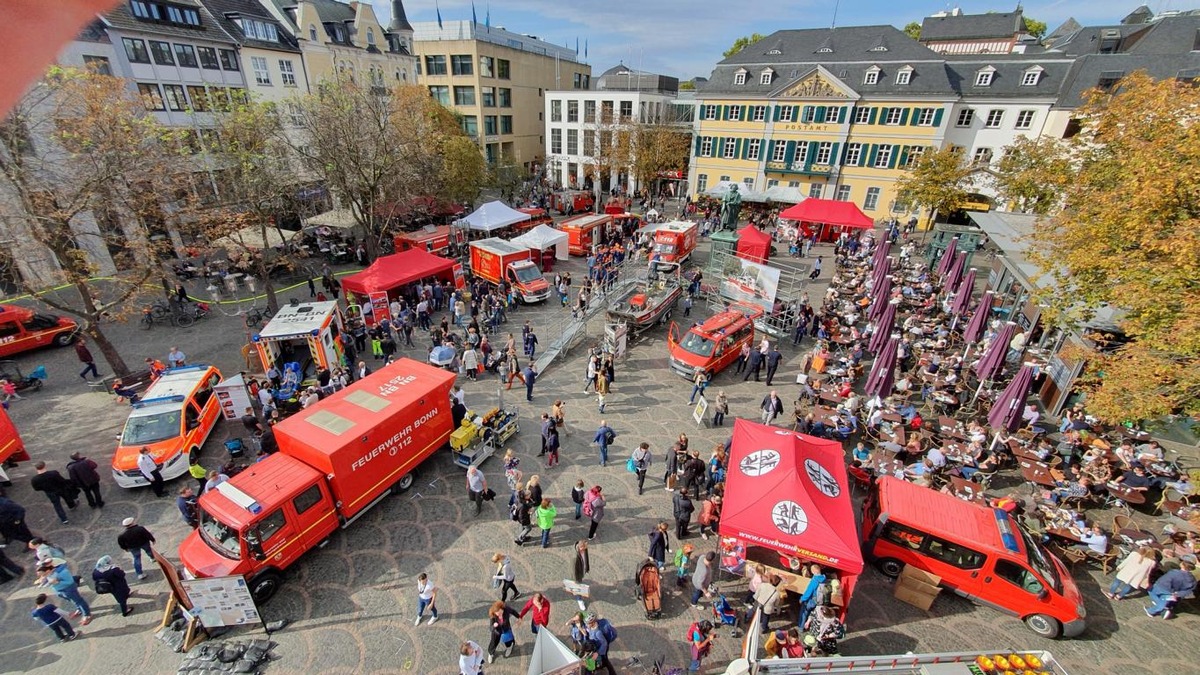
{"x": 496, "y": 81}
{"x": 838, "y": 113}
{"x": 345, "y": 41}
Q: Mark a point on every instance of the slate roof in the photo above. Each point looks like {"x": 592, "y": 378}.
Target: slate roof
{"x": 1069, "y": 26}
{"x": 1009, "y": 72}
{"x": 121, "y": 18}
{"x": 794, "y": 53}
{"x": 1088, "y": 70}
{"x": 330, "y": 11}
{"x": 399, "y": 20}
{"x": 1087, "y": 40}
{"x": 972, "y": 26}
{"x": 250, "y": 8}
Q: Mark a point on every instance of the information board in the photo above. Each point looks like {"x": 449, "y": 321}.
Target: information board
{"x": 222, "y": 601}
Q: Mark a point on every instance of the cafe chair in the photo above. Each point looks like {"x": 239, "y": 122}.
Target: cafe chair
{"x": 1070, "y": 555}
{"x": 1104, "y": 560}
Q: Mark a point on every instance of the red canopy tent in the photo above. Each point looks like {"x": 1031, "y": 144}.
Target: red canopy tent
{"x": 829, "y": 212}
{"x": 753, "y": 244}
{"x": 789, "y": 492}
{"x": 383, "y": 278}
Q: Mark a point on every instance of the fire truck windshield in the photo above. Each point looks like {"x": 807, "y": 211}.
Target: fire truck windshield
{"x": 699, "y": 345}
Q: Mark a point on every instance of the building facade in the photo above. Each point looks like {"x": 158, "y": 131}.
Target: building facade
{"x": 953, "y": 32}
{"x": 270, "y": 56}
{"x": 839, "y": 114}
{"x": 583, "y": 128}
{"x": 497, "y": 81}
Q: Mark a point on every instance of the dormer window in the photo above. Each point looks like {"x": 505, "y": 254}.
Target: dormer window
{"x": 312, "y": 32}
{"x": 258, "y": 30}
{"x": 871, "y": 76}
{"x": 370, "y": 36}
{"x": 983, "y": 78}
{"x": 148, "y": 10}
{"x": 1032, "y": 76}
{"x": 766, "y": 76}
{"x": 904, "y": 75}
{"x": 739, "y": 78}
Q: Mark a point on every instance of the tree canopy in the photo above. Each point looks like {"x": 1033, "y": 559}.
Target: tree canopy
{"x": 938, "y": 181}
{"x": 1035, "y": 28}
{"x": 913, "y": 29}
{"x": 741, "y": 43}
{"x": 1128, "y": 238}
{"x": 1032, "y": 174}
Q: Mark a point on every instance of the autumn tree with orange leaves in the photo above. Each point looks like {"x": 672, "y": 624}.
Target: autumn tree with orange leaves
{"x": 1128, "y": 237}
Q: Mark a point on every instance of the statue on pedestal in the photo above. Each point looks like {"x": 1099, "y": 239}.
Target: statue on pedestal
{"x": 731, "y": 204}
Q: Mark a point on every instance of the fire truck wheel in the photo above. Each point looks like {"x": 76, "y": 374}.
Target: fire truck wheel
{"x": 265, "y": 585}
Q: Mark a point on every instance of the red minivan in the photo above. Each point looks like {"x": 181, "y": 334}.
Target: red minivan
{"x": 979, "y": 552}
{"x": 22, "y": 329}
{"x": 714, "y": 344}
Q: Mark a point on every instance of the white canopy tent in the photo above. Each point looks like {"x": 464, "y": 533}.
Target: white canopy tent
{"x": 543, "y": 237}
{"x": 552, "y": 657}
{"x": 251, "y": 238}
{"x": 493, "y": 216}
{"x": 722, "y": 188}
{"x": 784, "y": 194}
{"x": 341, "y": 219}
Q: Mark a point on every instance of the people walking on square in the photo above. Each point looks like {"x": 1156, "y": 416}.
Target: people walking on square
{"x": 683, "y": 508}
{"x": 604, "y": 436}
{"x": 57, "y": 574}
{"x": 538, "y": 607}
{"x": 86, "y": 358}
{"x": 136, "y": 540}
{"x": 505, "y": 577}
{"x": 545, "y": 515}
{"x": 109, "y": 579}
{"x": 151, "y": 471}
{"x": 773, "y": 358}
{"x": 593, "y": 508}
{"x": 720, "y": 409}
{"x": 553, "y": 442}
{"x": 54, "y": 619}
{"x": 580, "y": 566}
{"x": 426, "y": 599}
{"x": 530, "y": 377}
{"x": 56, "y": 488}
{"x": 470, "y": 658}
{"x": 476, "y": 487}
{"x": 500, "y": 618}
{"x": 642, "y": 459}
{"x": 660, "y": 544}
{"x": 83, "y": 472}
{"x": 771, "y": 407}
{"x": 577, "y": 495}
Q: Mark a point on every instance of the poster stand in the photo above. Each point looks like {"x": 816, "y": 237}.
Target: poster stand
{"x": 226, "y": 601}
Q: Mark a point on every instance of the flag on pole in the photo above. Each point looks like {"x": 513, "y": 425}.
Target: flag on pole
{"x": 439, "y": 14}
{"x": 585, "y": 46}
{"x": 474, "y": 19}
{"x": 576, "y": 45}
{"x": 487, "y": 18}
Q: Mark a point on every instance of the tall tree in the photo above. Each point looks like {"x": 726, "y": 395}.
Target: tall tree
{"x": 82, "y": 168}
{"x": 1128, "y": 237}
{"x": 913, "y": 30}
{"x": 258, "y": 172}
{"x": 938, "y": 182}
{"x": 1032, "y": 173}
{"x": 742, "y": 42}
{"x": 658, "y": 148}
{"x": 376, "y": 151}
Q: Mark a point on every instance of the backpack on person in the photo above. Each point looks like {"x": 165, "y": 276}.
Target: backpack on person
{"x": 607, "y": 630}
{"x": 588, "y": 509}
{"x": 103, "y": 586}
{"x": 680, "y": 558}
{"x": 609, "y": 436}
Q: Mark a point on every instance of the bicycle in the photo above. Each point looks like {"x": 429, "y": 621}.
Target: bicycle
{"x": 255, "y": 315}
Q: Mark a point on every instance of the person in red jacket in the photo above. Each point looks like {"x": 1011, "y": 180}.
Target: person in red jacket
{"x": 539, "y": 606}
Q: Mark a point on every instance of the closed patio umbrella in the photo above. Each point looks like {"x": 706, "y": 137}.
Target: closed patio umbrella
{"x": 882, "y": 270}
{"x": 956, "y": 272}
{"x": 1005, "y": 414}
{"x": 979, "y": 319}
{"x": 883, "y": 371}
{"x": 879, "y": 297}
{"x": 962, "y": 297}
{"x": 882, "y": 251}
{"x": 883, "y": 328}
{"x": 992, "y": 361}
{"x": 947, "y": 257}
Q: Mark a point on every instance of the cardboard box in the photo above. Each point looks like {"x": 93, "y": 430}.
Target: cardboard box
{"x": 917, "y": 587}
{"x": 915, "y": 598}
{"x": 921, "y": 575}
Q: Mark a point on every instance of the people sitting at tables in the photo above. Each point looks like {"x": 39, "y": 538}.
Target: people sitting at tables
{"x": 907, "y": 411}
{"x": 1092, "y": 540}
{"x": 875, "y": 419}
{"x": 1149, "y": 453}
{"x": 1097, "y": 470}
{"x": 976, "y": 432}
{"x": 845, "y": 388}
{"x": 1043, "y": 450}
{"x": 1071, "y": 490}
{"x": 916, "y": 422}
{"x": 861, "y": 453}
{"x": 971, "y": 464}
{"x": 903, "y": 385}
{"x": 1125, "y": 453}
{"x": 921, "y": 472}
{"x": 1138, "y": 479}
{"x": 937, "y": 456}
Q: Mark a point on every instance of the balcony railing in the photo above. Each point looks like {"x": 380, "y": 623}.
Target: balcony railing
{"x": 801, "y": 169}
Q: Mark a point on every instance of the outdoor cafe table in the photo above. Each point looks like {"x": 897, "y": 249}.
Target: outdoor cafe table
{"x": 1125, "y": 494}
{"x": 896, "y": 436}
{"x": 826, "y": 415}
{"x": 966, "y": 489}
{"x": 894, "y": 418}
{"x": 954, "y": 451}
{"x": 1023, "y": 453}
{"x": 1038, "y": 475}
{"x": 1065, "y": 534}
{"x": 884, "y": 463}
{"x": 830, "y": 397}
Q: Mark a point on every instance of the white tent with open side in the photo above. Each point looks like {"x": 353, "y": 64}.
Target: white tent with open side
{"x": 543, "y": 237}
{"x": 552, "y": 657}
{"x": 493, "y": 216}
{"x": 251, "y": 237}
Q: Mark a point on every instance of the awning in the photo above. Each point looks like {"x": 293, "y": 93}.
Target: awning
{"x": 493, "y": 216}
{"x": 829, "y": 211}
{"x": 753, "y": 244}
{"x": 788, "y": 492}
{"x": 543, "y": 237}
{"x": 341, "y": 219}
{"x": 393, "y": 271}
{"x": 785, "y": 195}
{"x": 251, "y": 238}
{"x": 722, "y": 188}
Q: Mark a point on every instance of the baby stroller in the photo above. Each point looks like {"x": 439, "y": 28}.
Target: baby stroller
{"x": 647, "y": 588}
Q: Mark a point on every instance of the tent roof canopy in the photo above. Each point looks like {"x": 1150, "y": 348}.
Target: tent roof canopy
{"x": 392, "y": 271}
{"x": 829, "y": 211}
{"x": 788, "y": 492}
{"x": 543, "y": 237}
{"x": 251, "y": 237}
{"x": 753, "y": 244}
{"x": 338, "y": 218}
{"x": 493, "y": 216}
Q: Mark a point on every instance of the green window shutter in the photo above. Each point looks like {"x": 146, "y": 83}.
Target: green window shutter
{"x": 894, "y": 157}
{"x": 789, "y": 153}
{"x": 698, "y": 139}
{"x": 840, "y": 160}
{"x": 916, "y": 116}
{"x": 871, "y": 154}
{"x": 833, "y": 154}
{"x": 820, "y": 114}
{"x": 904, "y": 116}
{"x": 904, "y": 155}
{"x": 795, "y": 113}
{"x": 719, "y": 147}
{"x": 841, "y": 114}
{"x": 812, "y": 153}
{"x": 874, "y": 116}
{"x": 775, "y": 114}
{"x": 804, "y": 114}
{"x": 937, "y": 117}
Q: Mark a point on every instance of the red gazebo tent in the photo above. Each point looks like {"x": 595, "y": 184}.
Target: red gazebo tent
{"x": 383, "y": 278}
{"x": 753, "y": 244}
{"x": 789, "y": 492}
{"x": 828, "y": 212}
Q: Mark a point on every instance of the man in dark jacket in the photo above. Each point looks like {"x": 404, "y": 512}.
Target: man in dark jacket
{"x": 136, "y": 540}
{"x": 771, "y": 407}
{"x": 693, "y": 474}
{"x": 773, "y": 358}
{"x": 12, "y": 521}
{"x": 86, "y": 358}
{"x": 56, "y": 488}
{"x": 683, "y": 507}
{"x": 83, "y": 471}
{"x": 755, "y": 366}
